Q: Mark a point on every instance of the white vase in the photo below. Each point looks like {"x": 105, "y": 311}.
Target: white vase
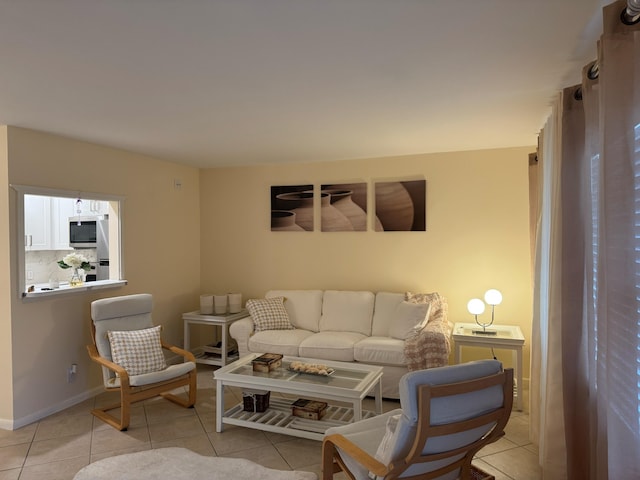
{"x": 235, "y": 302}
{"x": 206, "y": 304}
{"x": 220, "y": 304}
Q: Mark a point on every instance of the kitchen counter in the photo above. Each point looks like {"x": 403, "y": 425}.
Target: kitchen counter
{"x": 43, "y": 290}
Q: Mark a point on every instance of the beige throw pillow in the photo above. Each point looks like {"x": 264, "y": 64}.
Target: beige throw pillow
{"x": 137, "y": 351}
{"x": 408, "y": 319}
{"x": 269, "y": 314}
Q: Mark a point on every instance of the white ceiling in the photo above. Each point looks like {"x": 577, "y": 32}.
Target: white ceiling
{"x": 229, "y": 82}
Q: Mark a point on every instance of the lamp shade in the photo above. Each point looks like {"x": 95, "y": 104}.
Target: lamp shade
{"x": 493, "y": 297}
{"x": 475, "y": 306}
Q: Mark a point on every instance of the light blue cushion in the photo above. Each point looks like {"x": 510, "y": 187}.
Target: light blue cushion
{"x": 443, "y": 410}
{"x": 459, "y": 406}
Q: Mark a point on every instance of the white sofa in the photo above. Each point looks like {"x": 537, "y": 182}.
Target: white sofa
{"x": 352, "y": 326}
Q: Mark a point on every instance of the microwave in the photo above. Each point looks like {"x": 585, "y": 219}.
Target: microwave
{"x": 87, "y": 232}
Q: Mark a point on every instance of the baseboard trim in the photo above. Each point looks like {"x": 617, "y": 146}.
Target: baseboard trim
{"x": 14, "y": 424}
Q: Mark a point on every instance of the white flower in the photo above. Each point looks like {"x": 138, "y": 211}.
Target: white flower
{"x": 74, "y": 260}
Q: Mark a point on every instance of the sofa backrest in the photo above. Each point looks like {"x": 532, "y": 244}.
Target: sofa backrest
{"x": 347, "y": 311}
{"x": 385, "y": 306}
{"x": 303, "y": 306}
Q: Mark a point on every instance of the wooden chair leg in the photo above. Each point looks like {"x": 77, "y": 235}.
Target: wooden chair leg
{"x": 191, "y": 394}
{"x": 125, "y": 411}
{"x": 127, "y": 398}
{"x": 121, "y": 423}
{"x": 328, "y": 466}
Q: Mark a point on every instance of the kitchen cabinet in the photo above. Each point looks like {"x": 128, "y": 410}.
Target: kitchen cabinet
{"x": 91, "y": 207}
{"x": 46, "y": 222}
{"x": 37, "y": 222}
{"x": 61, "y": 210}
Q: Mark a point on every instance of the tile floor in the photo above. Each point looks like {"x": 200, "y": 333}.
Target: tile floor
{"x": 56, "y": 447}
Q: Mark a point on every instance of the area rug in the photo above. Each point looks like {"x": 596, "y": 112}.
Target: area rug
{"x": 178, "y": 464}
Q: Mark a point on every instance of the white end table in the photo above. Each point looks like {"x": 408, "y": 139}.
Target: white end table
{"x": 507, "y": 337}
{"x": 216, "y": 320}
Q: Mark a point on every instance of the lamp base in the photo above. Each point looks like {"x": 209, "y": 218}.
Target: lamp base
{"x": 485, "y": 332}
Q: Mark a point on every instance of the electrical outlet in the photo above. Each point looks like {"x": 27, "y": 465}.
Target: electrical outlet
{"x": 29, "y": 274}
{"x": 71, "y": 373}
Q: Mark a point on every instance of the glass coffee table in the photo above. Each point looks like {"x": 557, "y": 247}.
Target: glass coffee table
{"x": 349, "y": 383}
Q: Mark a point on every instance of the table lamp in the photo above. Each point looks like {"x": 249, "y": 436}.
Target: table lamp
{"x": 476, "y": 307}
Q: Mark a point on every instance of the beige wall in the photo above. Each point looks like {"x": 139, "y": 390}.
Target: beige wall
{"x": 161, "y": 244}
{"x": 6, "y": 392}
{"x": 214, "y": 235}
{"x": 477, "y": 233}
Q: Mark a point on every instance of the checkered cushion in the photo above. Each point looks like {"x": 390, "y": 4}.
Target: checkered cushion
{"x": 137, "y": 351}
{"x": 269, "y": 314}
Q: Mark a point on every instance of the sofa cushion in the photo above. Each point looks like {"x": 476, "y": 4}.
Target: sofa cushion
{"x": 385, "y": 306}
{"x": 380, "y": 350}
{"x": 408, "y": 319}
{"x": 303, "y": 306}
{"x": 285, "y": 342}
{"x": 269, "y": 314}
{"x": 345, "y": 311}
{"x": 330, "y": 345}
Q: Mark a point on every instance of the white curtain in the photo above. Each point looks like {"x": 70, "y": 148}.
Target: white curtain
{"x": 585, "y": 379}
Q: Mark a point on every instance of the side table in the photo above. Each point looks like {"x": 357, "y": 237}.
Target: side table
{"x": 508, "y": 337}
{"x": 222, "y": 321}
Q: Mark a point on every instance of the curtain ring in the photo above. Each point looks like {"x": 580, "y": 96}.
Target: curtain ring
{"x": 577, "y": 94}
{"x": 630, "y": 16}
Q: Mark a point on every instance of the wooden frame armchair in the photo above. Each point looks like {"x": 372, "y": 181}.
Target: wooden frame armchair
{"x": 126, "y": 314}
{"x": 448, "y": 414}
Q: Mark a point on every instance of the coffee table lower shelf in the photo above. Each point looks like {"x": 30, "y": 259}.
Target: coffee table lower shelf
{"x": 278, "y": 418}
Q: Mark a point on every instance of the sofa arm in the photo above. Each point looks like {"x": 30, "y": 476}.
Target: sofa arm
{"x": 241, "y": 330}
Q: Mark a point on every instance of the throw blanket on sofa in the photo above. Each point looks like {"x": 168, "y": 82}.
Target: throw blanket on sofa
{"x": 420, "y": 350}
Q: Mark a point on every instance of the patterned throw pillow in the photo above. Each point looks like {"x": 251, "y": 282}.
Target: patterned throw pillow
{"x": 137, "y": 351}
{"x": 269, "y": 314}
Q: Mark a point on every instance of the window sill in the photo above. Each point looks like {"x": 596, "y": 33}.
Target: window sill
{"x": 42, "y": 290}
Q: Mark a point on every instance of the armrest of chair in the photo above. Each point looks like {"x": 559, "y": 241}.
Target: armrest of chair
{"x": 114, "y": 367}
{"x": 331, "y": 442}
{"x": 188, "y": 356}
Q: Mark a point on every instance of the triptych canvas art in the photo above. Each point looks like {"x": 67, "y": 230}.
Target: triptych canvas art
{"x": 397, "y": 206}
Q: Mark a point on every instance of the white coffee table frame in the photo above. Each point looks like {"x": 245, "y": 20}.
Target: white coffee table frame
{"x": 508, "y": 337}
{"x": 278, "y": 416}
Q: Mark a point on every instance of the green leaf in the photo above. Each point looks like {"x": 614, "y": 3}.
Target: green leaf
{"x": 61, "y": 264}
